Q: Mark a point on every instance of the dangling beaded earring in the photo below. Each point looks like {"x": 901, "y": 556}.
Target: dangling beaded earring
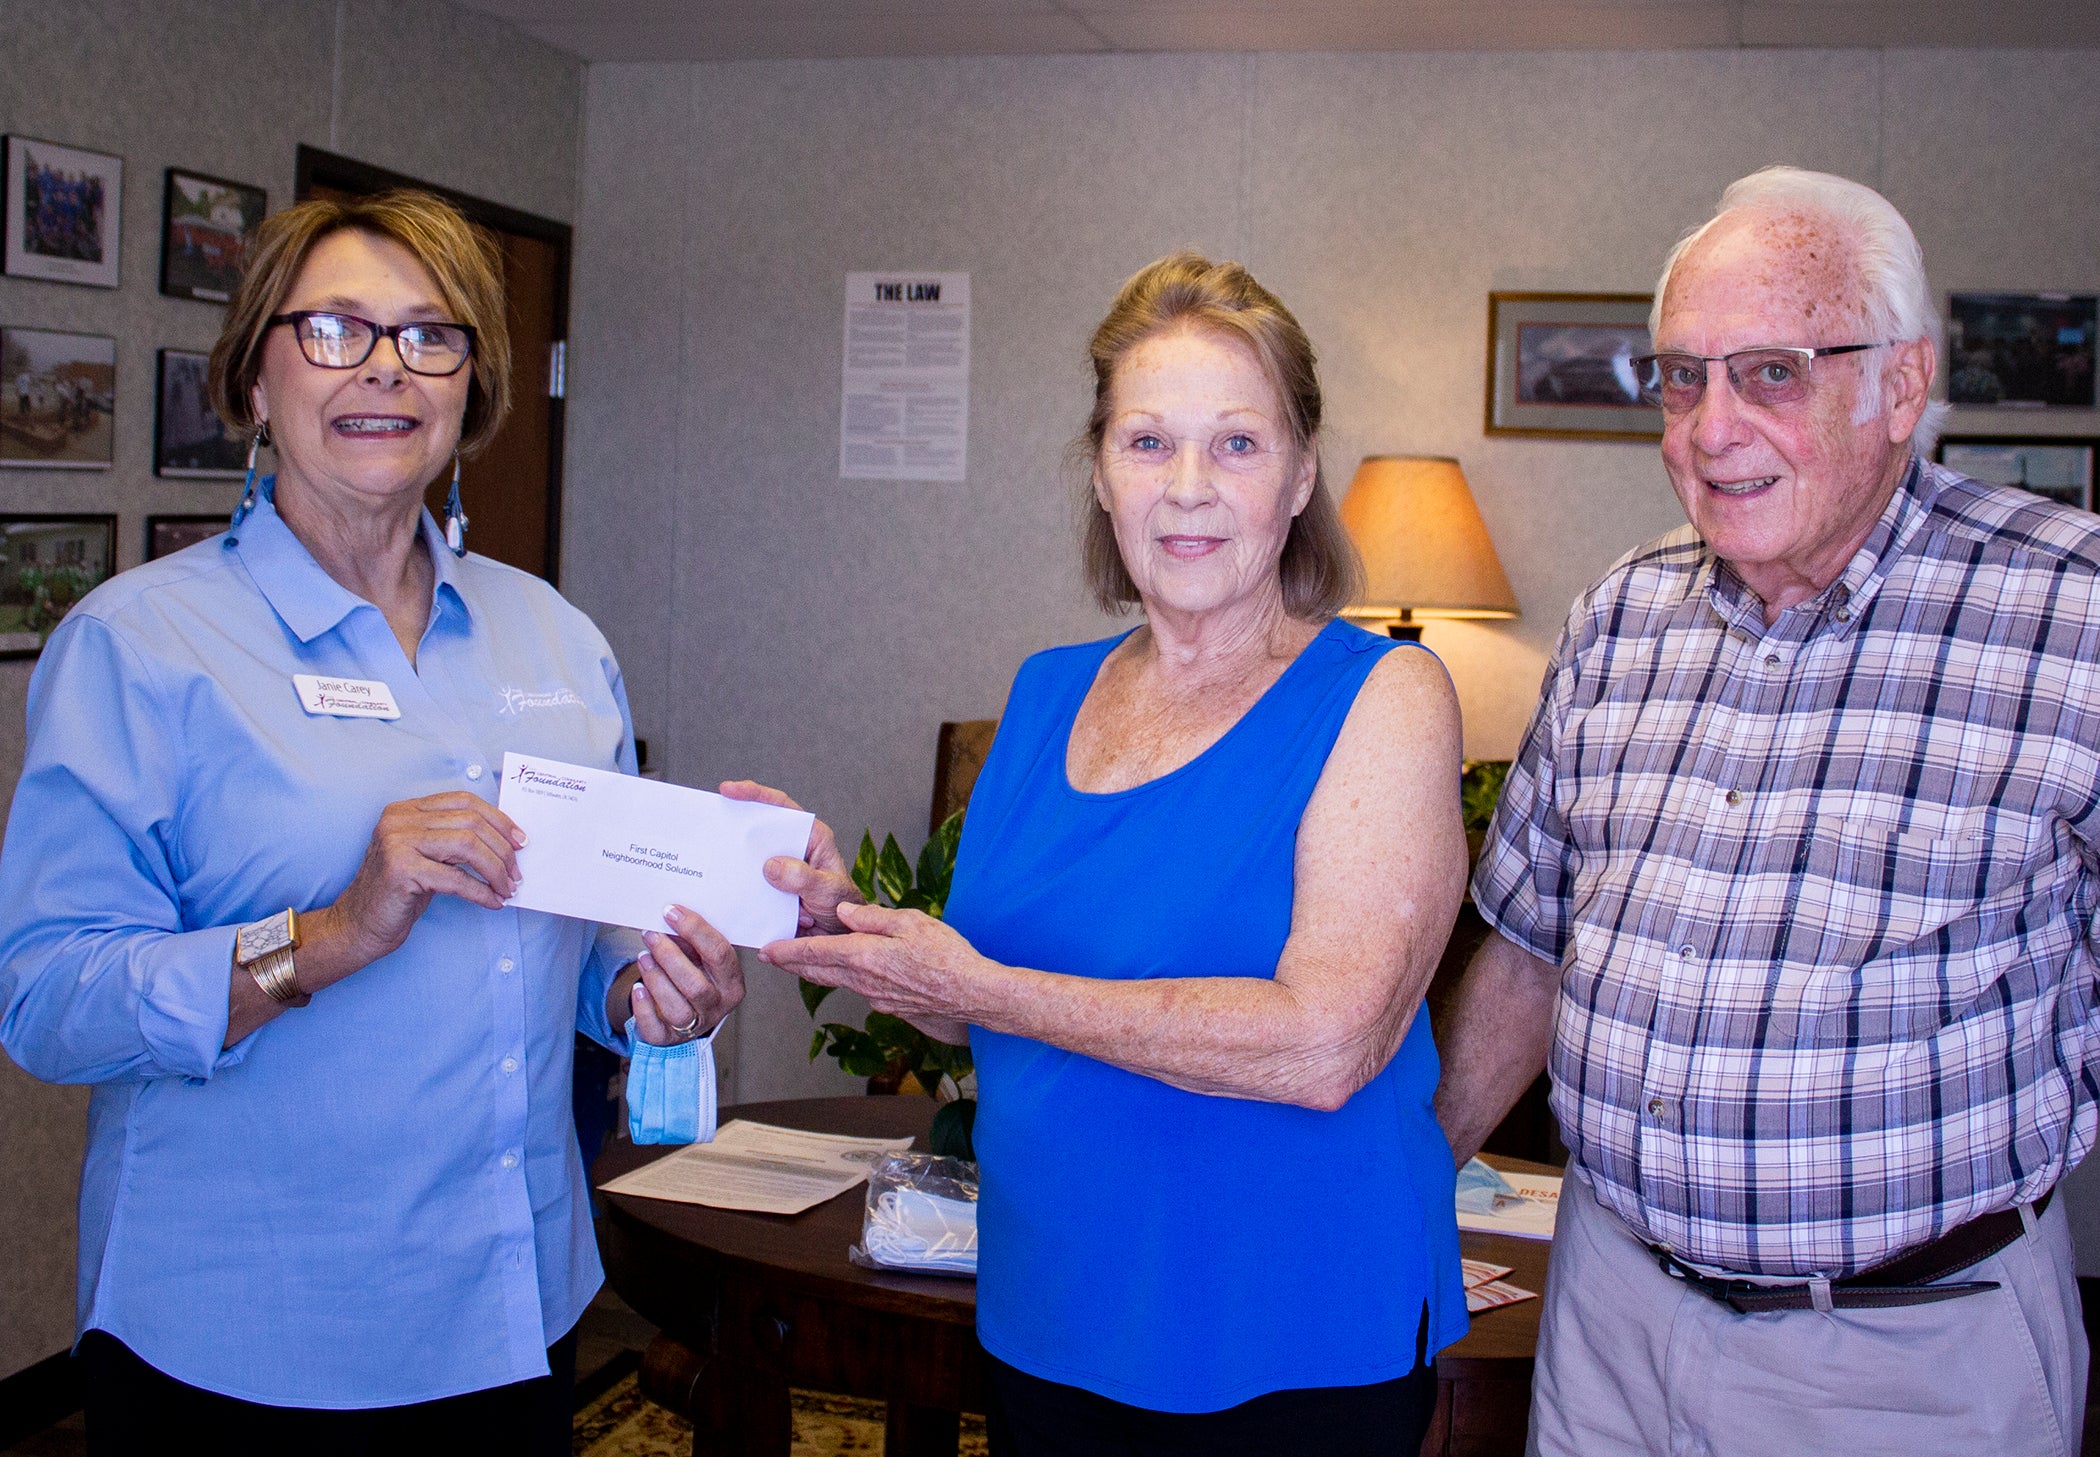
{"x": 455, "y": 514}
{"x": 262, "y": 438}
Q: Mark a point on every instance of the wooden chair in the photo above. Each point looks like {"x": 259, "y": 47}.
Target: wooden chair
{"x": 957, "y": 757}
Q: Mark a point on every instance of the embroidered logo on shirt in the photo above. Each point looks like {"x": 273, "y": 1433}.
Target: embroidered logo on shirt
{"x": 515, "y": 701}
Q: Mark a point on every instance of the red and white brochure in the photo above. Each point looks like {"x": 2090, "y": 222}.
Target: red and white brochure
{"x": 1479, "y": 1272}
{"x": 1493, "y": 1293}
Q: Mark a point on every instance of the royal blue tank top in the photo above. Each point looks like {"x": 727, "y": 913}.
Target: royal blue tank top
{"x": 1165, "y": 1248}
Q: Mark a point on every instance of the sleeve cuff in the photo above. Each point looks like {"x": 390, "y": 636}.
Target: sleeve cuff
{"x": 186, "y": 980}
{"x": 614, "y": 949}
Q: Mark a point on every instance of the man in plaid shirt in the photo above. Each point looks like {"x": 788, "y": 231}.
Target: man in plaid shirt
{"x": 1794, "y": 885}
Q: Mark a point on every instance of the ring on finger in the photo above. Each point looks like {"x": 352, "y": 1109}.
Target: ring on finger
{"x": 689, "y": 1028}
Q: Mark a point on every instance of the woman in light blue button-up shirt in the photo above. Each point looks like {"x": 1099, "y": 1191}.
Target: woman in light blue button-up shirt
{"x": 357, "y": 1187}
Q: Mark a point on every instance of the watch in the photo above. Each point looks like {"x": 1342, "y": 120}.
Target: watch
{"x": 264, "y": 950}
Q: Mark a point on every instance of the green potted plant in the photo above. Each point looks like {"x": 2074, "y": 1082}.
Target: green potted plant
{"x": 1479, "y": 791}
{"x": 893, "y": 1055}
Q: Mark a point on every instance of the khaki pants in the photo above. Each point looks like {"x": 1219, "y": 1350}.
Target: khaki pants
{"x": 1633, "y": 1361}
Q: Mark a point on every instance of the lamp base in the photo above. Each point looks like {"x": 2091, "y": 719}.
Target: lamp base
{"x": 1404, "y": 630}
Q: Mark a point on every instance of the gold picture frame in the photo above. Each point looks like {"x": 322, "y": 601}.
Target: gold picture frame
{"x": 1556, "y": 366}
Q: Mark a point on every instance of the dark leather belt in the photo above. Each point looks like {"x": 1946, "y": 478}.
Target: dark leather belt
{"x": 1911, "y": 1279}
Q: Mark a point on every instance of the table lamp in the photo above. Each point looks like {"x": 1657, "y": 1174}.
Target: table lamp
{"x": 1426, "y": 551}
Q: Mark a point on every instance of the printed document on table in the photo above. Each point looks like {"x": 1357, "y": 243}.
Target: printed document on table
{"x": 617, "y": 849}
{"x": 1528, "y": 1214}
{"x": 760, "y": 1168}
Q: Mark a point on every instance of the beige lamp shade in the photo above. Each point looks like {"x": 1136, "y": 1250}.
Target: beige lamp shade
{"x": 1426, "y": 550}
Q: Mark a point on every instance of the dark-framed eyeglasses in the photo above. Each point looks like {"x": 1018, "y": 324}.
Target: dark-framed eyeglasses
{"x": 1771, "y": 375}
{"x": 344, "y": 341}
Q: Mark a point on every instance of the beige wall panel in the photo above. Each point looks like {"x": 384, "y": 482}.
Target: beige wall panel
{"x": 1391, "y": 194}
{"x": 1990, "y": 155}
{"x": 453, "y": 97}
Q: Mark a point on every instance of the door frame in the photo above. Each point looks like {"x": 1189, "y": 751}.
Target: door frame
{"x": 314, "y": 167}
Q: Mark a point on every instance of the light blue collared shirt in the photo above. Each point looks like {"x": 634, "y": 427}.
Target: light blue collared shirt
{"x": 378, "y": 1198}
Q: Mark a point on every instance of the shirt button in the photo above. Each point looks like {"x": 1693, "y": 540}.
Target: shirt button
{"x": 510, "y": 1161}
{"x": 1735, "y": 796}
{"x": 1843, "y": 614}
{"x": 506, "y": 964}
{"x": 1656, "y": 1108}
{"x": 473, "y": 771}
{"x": 1771, "y": 660}
{"x": 510, "y": 1064}
{"x": 1687, "y": 952}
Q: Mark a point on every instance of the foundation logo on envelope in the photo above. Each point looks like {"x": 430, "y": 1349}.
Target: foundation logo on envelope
{"x": 533, "y": 780}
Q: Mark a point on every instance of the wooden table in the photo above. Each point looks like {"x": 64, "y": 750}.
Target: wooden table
{"x": 1483, "y": 1380}
{"x": 751, "y": 1304}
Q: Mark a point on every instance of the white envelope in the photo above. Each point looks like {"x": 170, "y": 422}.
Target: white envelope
{"x": 612, "y": 848}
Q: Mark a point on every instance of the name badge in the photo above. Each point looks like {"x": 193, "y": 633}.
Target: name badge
{"x": 345, "y": 697}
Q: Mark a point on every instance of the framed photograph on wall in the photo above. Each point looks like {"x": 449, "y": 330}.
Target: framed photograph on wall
{"x": 65, "y": 214}
{"x": 1559, "y": 365}
{"x": 166, "y": 535}
{"x": 2059, "y": 467}
{"x": 206, "y": 224}
{"x": 189, "y": 439}
{"x": 58, "y": 397}
{"x": 2022, "y": 350}
{"x": 47, "y": 563}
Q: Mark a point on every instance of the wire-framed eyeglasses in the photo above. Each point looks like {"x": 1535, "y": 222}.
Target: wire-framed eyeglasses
{"x": 344, "y": 341}
{"x": 1772, "y": 375}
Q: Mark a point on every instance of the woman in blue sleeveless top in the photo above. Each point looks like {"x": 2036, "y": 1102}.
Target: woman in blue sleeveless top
{"x": 1206, "y": 876}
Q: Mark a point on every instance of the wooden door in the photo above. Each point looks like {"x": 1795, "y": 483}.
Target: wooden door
{"x": 512, "y": 489}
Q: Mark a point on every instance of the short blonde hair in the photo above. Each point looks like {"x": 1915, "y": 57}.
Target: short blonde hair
{"x": 465, "y": 266}
{"x": 1320, "y": 569}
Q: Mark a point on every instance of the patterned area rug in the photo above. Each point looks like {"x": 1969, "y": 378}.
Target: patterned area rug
{"x": 625, "y": 1423}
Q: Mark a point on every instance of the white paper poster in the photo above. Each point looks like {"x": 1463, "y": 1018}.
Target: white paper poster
{"x": 905, "y": 415}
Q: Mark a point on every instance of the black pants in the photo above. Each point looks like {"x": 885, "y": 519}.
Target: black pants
{"x": 133, "y": 1408}
{"x": 1031, "y": 1417}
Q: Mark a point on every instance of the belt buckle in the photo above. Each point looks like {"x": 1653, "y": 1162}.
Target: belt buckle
{"x": 1730, "y": 1293}
{"x": 1677, "y": 1269}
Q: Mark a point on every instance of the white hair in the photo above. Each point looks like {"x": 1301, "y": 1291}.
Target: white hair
{"x": 1895, "y": 302}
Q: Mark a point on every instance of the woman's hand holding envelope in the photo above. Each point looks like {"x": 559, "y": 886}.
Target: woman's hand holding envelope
{"x": 688, "y": 981}
{"x": 893, "y": 958}
{"x": 818, "y": 880}
{"x": 905, "y": 963}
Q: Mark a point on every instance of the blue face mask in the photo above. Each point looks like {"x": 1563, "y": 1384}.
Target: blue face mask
{"x": 671, "y": 1090}
{"x": 1478, "y": 1185}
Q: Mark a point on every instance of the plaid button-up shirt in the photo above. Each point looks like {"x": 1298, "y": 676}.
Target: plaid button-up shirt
{"x": 1821, "y": 893}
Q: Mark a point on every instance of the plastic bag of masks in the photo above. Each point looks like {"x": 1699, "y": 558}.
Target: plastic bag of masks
{"x": 921, "y": 1216}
